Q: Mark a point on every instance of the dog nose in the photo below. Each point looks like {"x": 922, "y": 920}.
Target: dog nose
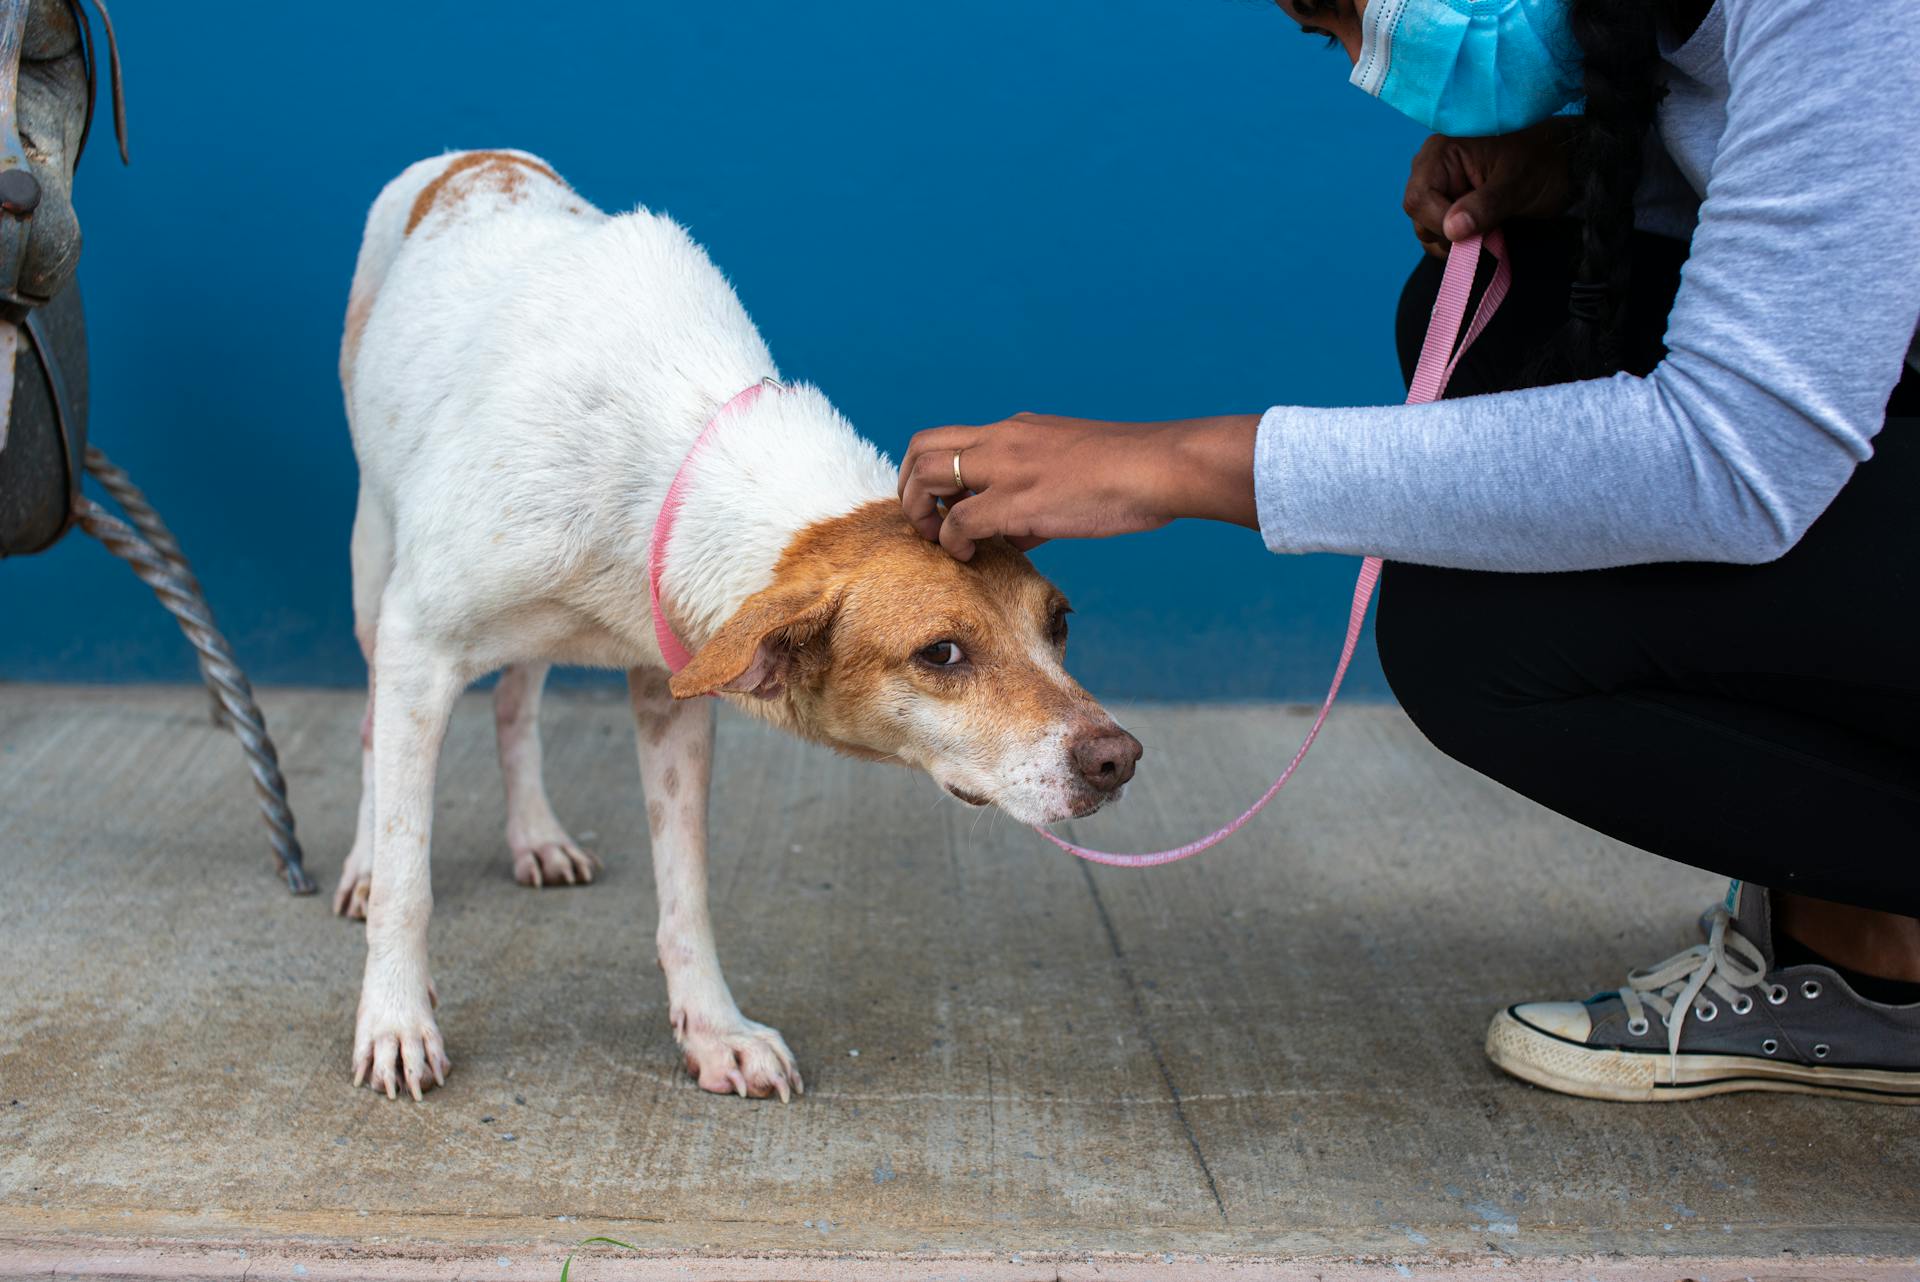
{"x": 1106, "y": 758}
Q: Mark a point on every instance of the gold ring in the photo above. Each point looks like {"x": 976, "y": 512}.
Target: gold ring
{"x": 959, "y": 483}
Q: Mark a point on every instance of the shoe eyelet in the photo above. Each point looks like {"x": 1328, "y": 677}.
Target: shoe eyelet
{"x": 1706, "y": 1013}
{"x": 1770, "y": 1046}
{"x": 1742, "y": 1004}
{"x": 1638, "y": 1027}
{"x": 1810, "y": 989}
{"x": 1776, "y": 993}
{"x": 1820, "y": 1051}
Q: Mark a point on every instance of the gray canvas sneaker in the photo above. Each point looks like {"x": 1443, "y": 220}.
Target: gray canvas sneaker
{"x": 1717, "y": 1018}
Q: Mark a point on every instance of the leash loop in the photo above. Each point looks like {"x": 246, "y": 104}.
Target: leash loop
{"x": 1440, "y": 353}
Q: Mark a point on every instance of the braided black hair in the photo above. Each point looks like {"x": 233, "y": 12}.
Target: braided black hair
{"x": 1618, "y": 39}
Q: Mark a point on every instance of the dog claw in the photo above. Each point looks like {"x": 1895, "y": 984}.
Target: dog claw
{"x": 350, "y": 896}
{"x": 399, "y": 1051}
{"x": 553, "y": 863}
{"x": 737, "y": 1057}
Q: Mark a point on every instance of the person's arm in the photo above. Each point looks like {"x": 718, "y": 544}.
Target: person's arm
{"x": 1043, "y": 476}
{"x": 1798, "y": 299}
{"x": 1035, "y": 477}
{"x": 1798, "y": 304}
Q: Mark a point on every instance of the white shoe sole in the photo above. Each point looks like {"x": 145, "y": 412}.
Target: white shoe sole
{"x": 1534, "y": 1055}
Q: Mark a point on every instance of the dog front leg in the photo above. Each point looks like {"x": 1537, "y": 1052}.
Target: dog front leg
{"x": 724, "y": 1049}
{"x": 396, "y": 1040}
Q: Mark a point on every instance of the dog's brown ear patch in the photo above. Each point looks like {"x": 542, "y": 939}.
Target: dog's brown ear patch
{"x": 755, "y": 651}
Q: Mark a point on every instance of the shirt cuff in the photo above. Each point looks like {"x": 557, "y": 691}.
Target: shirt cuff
{"x": 1283, "y": 480}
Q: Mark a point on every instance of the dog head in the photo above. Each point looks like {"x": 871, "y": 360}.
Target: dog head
{"x": 876, "y": 642}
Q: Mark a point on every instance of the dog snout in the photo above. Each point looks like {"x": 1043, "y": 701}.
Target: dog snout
{"x": 1106, "y": 757}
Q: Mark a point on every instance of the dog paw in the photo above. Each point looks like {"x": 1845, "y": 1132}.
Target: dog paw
{"x": 553, "y": 863}
{"x": 356, "y": 882}
{"x": 400, "y": 1048}
{"x": 739, "y": 1058}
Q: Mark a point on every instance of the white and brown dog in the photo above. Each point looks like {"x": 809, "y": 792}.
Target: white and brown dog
{"x": 524, "y": 377}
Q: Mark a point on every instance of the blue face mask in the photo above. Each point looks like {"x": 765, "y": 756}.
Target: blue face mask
{"x": 1469, "y": 68}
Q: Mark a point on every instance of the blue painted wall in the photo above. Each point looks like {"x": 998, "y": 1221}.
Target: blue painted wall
{"x": 1114, "y": 208}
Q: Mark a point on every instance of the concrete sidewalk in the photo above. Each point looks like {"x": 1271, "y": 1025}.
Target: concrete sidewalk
{"x": 1261, "y": 1063}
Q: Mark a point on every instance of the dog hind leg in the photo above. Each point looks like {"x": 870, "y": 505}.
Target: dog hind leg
{"x": 372, "y": 554}
{"x": 543, "y": 853}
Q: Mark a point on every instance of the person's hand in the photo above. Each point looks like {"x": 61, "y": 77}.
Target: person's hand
{"x": 1035, "y": 477}
{"x": 1463, "y": 186}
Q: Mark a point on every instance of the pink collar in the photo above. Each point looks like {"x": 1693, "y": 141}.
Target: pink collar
{"x": 672, "y": 649}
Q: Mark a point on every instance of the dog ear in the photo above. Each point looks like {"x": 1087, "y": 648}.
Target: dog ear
{"x": 755, "y": 651}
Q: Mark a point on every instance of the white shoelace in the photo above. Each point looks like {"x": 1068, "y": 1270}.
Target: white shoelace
{"x": 1672, "y": 987}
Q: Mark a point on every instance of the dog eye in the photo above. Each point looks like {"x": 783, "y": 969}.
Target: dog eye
{"x": 942, "y": 654}
{"x": 1057, "y": 626}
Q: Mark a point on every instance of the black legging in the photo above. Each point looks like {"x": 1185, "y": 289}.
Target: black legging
{"x": 1758, "y": 721}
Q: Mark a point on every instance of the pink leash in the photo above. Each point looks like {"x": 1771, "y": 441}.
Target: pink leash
{"x": 1438, "y": 356}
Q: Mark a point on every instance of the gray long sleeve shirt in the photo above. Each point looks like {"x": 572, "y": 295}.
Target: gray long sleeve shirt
{"x": 1797, "y": 123}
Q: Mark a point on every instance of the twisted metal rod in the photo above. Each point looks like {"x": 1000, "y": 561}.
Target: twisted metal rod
{"x": 180, "y": 594}
{"x": 133, "y": 502}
